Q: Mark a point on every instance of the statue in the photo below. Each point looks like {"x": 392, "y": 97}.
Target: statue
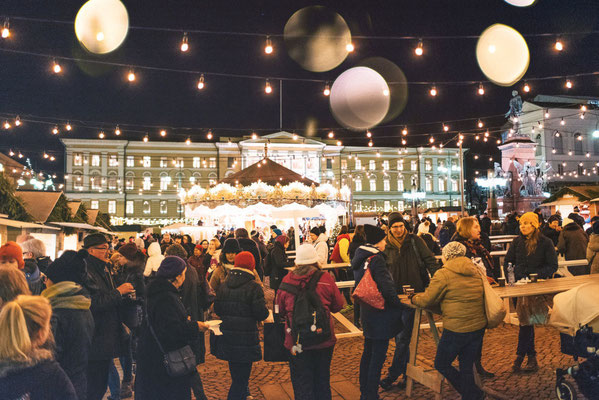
{"x": 515, "y": 111}
{"x": 498, "y": 171}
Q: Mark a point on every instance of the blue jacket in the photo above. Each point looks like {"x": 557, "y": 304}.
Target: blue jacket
{"x": 385, "y": 323}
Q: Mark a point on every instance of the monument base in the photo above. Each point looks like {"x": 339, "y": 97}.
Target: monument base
{"x": 519, "y": 204}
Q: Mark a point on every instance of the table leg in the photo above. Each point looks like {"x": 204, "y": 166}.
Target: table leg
{"x": 414, "y": 348}
{"x": 433, "y": 326}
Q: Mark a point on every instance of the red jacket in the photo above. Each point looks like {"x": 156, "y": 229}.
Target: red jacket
{"x": 329, "y": 295}
{"x": 336, "y": 255}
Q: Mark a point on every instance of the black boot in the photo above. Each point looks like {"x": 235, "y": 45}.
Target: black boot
{"x": 517, "y": 366}
{"x": 482, "y": 372}
{"x": 531, "y": 364}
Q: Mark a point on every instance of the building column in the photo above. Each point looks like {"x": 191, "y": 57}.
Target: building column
{"x": 86, "y": 162}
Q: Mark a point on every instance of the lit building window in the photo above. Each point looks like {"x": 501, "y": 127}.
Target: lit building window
{"x": 163, "y": 207}
{"x": 456, "y": 203}
{"x": 400, "y": 165}
{"x": 212, "y": 162}
{"x": 129, "y": 185}
{"x": 163, "y": 162}
{"x": 358, "y": 185}
{"x": 147, "y": 161}
{"x": 359, "y": 205}
{"x": 373, "y": 185}
{"x": 386, "y": 185}
{"x": 387, "y": 206}
{"x": 113, "y": 160}
{"x": 196, "y": 162}
{"x": 147, "y": 183}
{"x": 400, "y": 185}
{"x": 164, "y": 182}
{"x": 413, "y": 165}
{"x": 111, "y": 206}
{"x": 95, "y": 160}
{"x": 428, "y": 184}
{"x": 442, "y": 187}
{"x": 95, "y": 204}
{"x": 372, "y": 165}
{"x": 358, "y": 164}
{"x": 428, "y": 165}
{"x": 386, "y": 165}
{"x": 442, "y": 203}
{"x": 130, "y": 161}
{"x": 429, "y": 204}
{"x": 77, "y": 181}
{"x": 112, "y": 182}
{"x": 400, "y": 205}
{"x": 130, "y": 208}
{"x": 454, "y": 185}
{"x": 77, "y": 160}
{"x": 146, "y": 207}
{"x": 96, "y": 182}
{"x": 343, "y": 164}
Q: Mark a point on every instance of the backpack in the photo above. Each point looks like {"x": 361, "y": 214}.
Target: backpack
{"x": 310, "y": 322}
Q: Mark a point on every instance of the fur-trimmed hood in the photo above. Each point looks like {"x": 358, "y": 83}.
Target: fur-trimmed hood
{"x": 38, "y": 356}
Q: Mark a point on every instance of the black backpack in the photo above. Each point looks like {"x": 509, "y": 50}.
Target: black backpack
{"x": 311, "y": 321}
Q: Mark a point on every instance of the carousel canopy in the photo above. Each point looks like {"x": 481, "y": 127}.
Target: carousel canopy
{"x": 268, "y": 172}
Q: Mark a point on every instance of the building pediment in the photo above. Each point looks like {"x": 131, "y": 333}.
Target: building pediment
{"x": 282, "y": 137}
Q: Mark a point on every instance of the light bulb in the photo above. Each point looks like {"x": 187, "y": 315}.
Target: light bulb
{"x": 368, "y": 134}
{"x": 254, "y": 135}
{"x": 583, "y": 108}
{"x": 101, "y": 135}
{"x": 568, "y": 84}
{"x": 557, "y": 134}
{"x": 6, "y": 125}
{"x": 419, "y": 50}
{"x": 294, "y": 136}
{"x": 498, "y": 141}
{"x": 370, "y": 143}
{"x": 146, "y": 138}
{"x": 481, "y": 89}
{"x": 184, "y": 43}
{"x": 445, "y": 128}
{"x": 17, "y": 121}
{"x": 480, "y": 123}
{"x": 553, "y": 151}
{"x": 547, "y": 113}
{"x": 378, "y": 153}
{"x": 5, "y": 30}
{"x": 201, "y": 82}
{"x": 209, "y": 135}
{"x": 327, "y": 90}
{"x": 267, "y": 87}
{"x": 52, "y": 158}
{"x": 68, "y": 126}
{"x": 526, "y": 87}
{"x": 350, "y": 47}
{"x": 433, "y": 91}
{"x": 55, "y": 130}
{"x": 100, "y": 36}
{"x": 163, "y": 133}
{"x": 268, "y": 49}
{"x": 117, "y": 131}
{"x": 404, "y": 142}
{"x": 331, "y": 134}
{"x": 20, "y": 155}
{"x": 131, "y": 76}
{"x": 579, "y": 138}
{"x": 11, "y": 153}
{"x": 188, "y": 141}
{"x": 476, "y": 156}
{"x": 562, "y": 122}
{"x": 431, "y": 140}
{"x": 56, "y": 67}
{"x": 404, "y": 131}
{"x": 339, "y": 143}
{"x": 559, "y": 45}
{"x": 581, "y": 115}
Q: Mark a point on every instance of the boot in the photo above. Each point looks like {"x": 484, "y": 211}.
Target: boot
{"x": 517, "y": 367}
{"x": 531, "y": 364}
{"x": 482, "y": 372}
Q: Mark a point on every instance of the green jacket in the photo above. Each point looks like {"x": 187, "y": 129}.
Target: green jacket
{"x": 458, "y": 289}
{"x": 409, "y": 266}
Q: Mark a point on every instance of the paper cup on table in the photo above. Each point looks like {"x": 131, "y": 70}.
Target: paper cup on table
{"x": 533, "y": 277}
{"x": 501, "y": 282}
{"x": 405, "y": 288}
{"x": 214, "y": 326}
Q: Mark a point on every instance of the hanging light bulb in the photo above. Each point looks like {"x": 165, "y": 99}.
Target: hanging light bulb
{"x": 52, "y": 158}
{"x": 188, "y": 141}
{"x": 370, "y": 143}
{"x": 526, "y": 87}
{"x": 540, "y": 125}
{"x": 350, "y": 47}
{"x": 557, "y": 134}
{"x": 131, "y": 76}
{"x": 404, "y": 131}
{"x": 480, "y": 123}
{"x": 20, "y": 155}
{"x": 579, "y": 138}
{"x": 327, "y": 90}
{"x": 267, "y": 87}
{"x": 11, "y": 153}
{"x": 209, "y": 135}
{"x": 553, "y": 150}
{"x": 582, "y": 115}
{"x": 477, "y": 137}
{"x": 481, "y": 89}
{"x": 445, "y": 128}
{"x": 184, "y": 43}
{"x": 562, "y": 122}
{"x": 339, "y": 143}
{"x": 433, "y": 91}
{"x": 404, "y": 142}
{"x": 102, "y": 135}
{"x": 331, "y": 135}
{"x": 5, "y": 29}
{"x": 568, "y": 84}
{"x": 17, "y": 121}
{"x": 55, "y": 130}
{"x": 56, "y": 68}
{"x": 419, "y": 50}
{"x": 268, "y": 49}
{"x": 378, "y": 153}
{"x": 487, "y": 134}
{"x": 254, "y": 136}
{"x": 146, "y": 138}
{"x": 294, "y": 136}
{"x": 117, "y": 131}
{"x": 547, "y": 113}
{"x": 559, "y": 45}
{"x": 476, "y": 156}
{"x": 431, "y": 140}
{"x": 368, "y": 134}
{"x": 6, "y": 125}
{"x": 498, "y": 141}
{"x": 201, "y": 82}
{"x": 163, "y": 133}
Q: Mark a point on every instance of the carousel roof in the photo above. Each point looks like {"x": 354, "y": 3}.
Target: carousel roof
{"x": 268, "y": 172}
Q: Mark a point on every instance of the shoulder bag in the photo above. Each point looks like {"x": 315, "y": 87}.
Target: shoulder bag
{"x": 494, "y": 308}
{"x": 367, "y": 291}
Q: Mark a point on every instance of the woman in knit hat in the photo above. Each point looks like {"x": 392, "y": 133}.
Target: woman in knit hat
{"x": 11, "y": 255}
{"x": 458, "y": 289}
{"x": 572, "y": 243}
{"x": 169, "y": 319}
{"x": 240, "y": 304}
{"x": 72, "y": 322}
{"x": 310, "y": 370}
{"x": 226, "y": 262}
{"x": 529, "y": 253}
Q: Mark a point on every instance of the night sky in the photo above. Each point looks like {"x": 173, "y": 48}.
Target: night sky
{"x": 234, "y": 106}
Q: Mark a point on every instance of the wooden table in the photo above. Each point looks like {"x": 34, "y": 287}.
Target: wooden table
{"x": 336, "y": 265}
{"x": 548, "y": 286}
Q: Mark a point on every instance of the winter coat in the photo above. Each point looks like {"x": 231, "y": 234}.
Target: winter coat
{"x": 39, "y": 378}
{"x": 485, "y": 225}
{"x": 106, "y": 301}
{"x": 446, "y": 233}
{"x": 579, "y": 219}
{"x": 155, "y": 257}
{"x": 277, "y": 262}
{"x": 458, "y": 289}
{"x": 168, "y": 317}
{"x": 164, "y": 245}
{"x": 34, "y": 277}
{"x": 322, "y": 249}
{"x": 340, "y": 251}
{"x": 353, "y": 246}
{"x": 252, "y": 247}
{"x": 592, "y": 253}
{"x": 197, "y": 262}
{"x": 220, "y": 275}
{"x": 385, "y": 323}
{"x": 572, "y": 242}
{"x": 409, "y": 267}
{"x": 42, "y": 263}
{"x": 240, "y": 304}
{"x": 551, "y": 234}
{"x": 73, "y": 328}
{"x": 479, "y": 249}
{"x": 542, "y": 261}
{"x": 329, "y": 295}
{"x": 431, "y": 243}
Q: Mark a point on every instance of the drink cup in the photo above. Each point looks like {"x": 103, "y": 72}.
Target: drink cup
{"x": 501, "y": 282}
{"x": 409, "y": 291}
{"x": 405, "y": 288}
{"x": 533, "y": 277}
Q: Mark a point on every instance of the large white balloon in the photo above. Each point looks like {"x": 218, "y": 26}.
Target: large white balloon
{"x": 520, "y": 3}
{"x": 102, "y": 25}
{"x": 502, "y": 54}
{"x": 359, "y": 98}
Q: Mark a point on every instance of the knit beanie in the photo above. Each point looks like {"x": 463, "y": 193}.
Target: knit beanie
{"x": 70, "y": 266}
{"x": 306, "y": 254}
{"x": 11, "y": 250}
{"x": 395, "y": 217}
{"x": 423, "y": 228}
{"x": 315, "y": 230}
{"x": 277, "y": 232}
{"x": 553, "y": 218}
{"x": 374, "y": 234}
{"x": 245, "y": 260}
{"x": 531, "y": 218}
{"x": 453, "y": 250}
{"x": 128, "y": 251}
{"x": 171, "y": 267}
{"x": 94, "y": 239}
{"x": 231, "y": 246}
{"x": 282, "y": 239}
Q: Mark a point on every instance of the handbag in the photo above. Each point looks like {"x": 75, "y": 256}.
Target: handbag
{"x": 179, "y": 362}
{"x": 494, "y": 307}
{"x": 274, "y": 342}
{"x": 367, "y": 291}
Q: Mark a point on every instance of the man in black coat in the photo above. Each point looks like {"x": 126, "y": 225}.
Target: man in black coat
{"x": 105, "y": 302}
{"x": 247, "y": 244}
{"x": 485, "y": 224}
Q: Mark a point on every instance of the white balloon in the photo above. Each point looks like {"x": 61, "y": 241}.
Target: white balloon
{"x": 502, "y": 54}
{"x": 102, "y": 25}
{"x": 520, "y": 3}
{"x": 359, "y": 98}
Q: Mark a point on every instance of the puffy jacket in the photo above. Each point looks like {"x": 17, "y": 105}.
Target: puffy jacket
{"x": 431, "y": 243}
{"x": 34, "y": 277}
{"x": 593, "y": 253}
{"x": 240, "y": 304}
{"x": 551, "y": 234}
{"x": 155, "y": 257}
{"x": 385, "y": 323}
{"x": 326, "y": 289}
{"x": 446, "y": 233}
{"x": 341, "y": 250}
{"x": 322, "y": 249}
{"x": 542, "y": 261}
{"x": 277, "y": 262}
{"x": 572, "y": 242}
{"x": 39, "y": 378}
{"x": 458, "y": 289}
{"x": 409, "y": 266}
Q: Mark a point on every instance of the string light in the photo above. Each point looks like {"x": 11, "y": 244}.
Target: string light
{"x": 209, "y": 135}
{"x": 547, "y": 113}
{"x": 254, "y": 135}
{"x": 581, "y": 115}
{"x": 268, "y": 49}
{"x": 431, "y": 140}
{"x": 481, "y": 89}
{"x": 559, "y": 45}
{"x": 267, "y": 87}
{"x": 327, "y": 90}
{"x": 445, "y": 128}
{"x": 557, "y": 134}
{"x": 368, "y": 134}
{"x": 433, "y": 91}
{"x": 131, "y": 76}
{"x": 579, "y": 138}
{"x": 55, "y": 130}
{"x": 350, "y": 47}
{"x": 52, "y": 158}
{"x": 339, "y": 143}
{"x": 331, "y": 135}
{"x": 201, "y": 82}
{"x": 404, "y": 142}
{"x": 188, "y": 141}
{"x": 5, "y": 29}
{"x": 370, "y": 143}
{"x": 419, "y": 50}
{"x": 562, "y": 122}
{"x": 102, "y": 135}
{"x": 17, "y": 121}
{"x": 184, "y": 43}
{"x": 146, "y": 139}
{"x": 294, "y": 136}
{"x": 526, "y": 87}
{"x": 56, "y": 67}
{"x": 404, "y": 131}
{"x": 11, "y": 153}
{"x": 568, "y": 84}
{"x": 163, "y": 133}
{"x": 6, "y": 125}
{"x": 498, "y": 141}
{"x": 117, "y": 131}
{"x": 480, "y": 123}
{"x": 20, "y": 155}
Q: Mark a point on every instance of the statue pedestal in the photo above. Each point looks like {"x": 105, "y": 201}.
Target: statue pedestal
{"x": 519, "y": 204}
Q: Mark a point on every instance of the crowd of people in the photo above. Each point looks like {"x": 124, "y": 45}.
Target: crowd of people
{"x": 143, "y": 304}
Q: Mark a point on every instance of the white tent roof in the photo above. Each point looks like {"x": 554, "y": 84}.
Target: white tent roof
{"x": 78, "y": 225}
{"x": 21, "y": 224}
{"x": 575, "y": 307}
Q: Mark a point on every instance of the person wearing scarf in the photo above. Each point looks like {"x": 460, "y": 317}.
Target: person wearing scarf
{"x": 72, "y": 322}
